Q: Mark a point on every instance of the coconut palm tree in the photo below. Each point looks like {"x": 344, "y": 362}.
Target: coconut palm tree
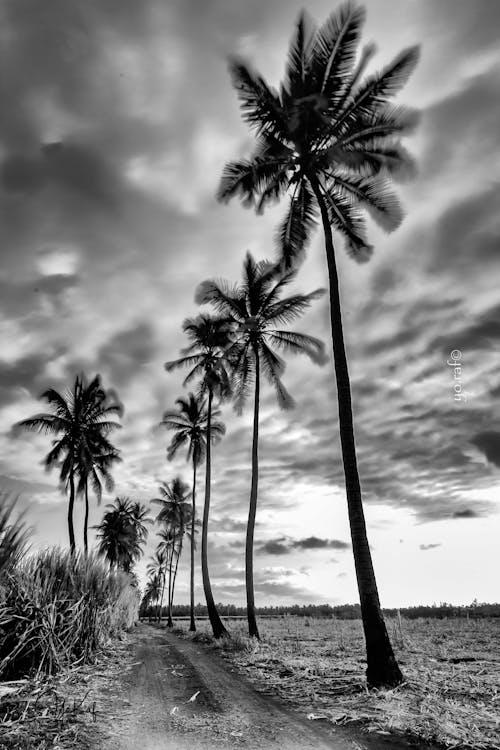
{"x": 122, "y": 533}
{"x": 81, "y": 418}
{"x": 209, "y": 338}
{"x": 256, "y": 308}
{"x": 331, "y": 139}
{"x": 173, "y": 516}
{"x": 157, "y": 571}
{"x": 189, "y": 425}
{"x": 151, "y": 594}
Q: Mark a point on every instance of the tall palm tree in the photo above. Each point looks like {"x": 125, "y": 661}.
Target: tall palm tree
{"x": 189, "y": 425}
{"x": 256, "y": 308}
{"x": 122, "y": 533}
{"x": 331, "y": 139}
{"x": 173, "y": 515}
{"x": 209, "y": 337}
{"x": 81, "y": 418}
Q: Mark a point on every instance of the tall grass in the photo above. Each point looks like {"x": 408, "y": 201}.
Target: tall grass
{"x": 57, "y": 610}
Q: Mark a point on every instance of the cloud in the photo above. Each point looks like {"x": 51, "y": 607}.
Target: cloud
{"x": 466, "y": 513}
{"x": 284, "y": 545}
{"x": 425, "y": 547}
{"x": 488, "y": 443}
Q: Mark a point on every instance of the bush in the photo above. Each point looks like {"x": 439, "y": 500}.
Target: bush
{"x": 57, "y": 609}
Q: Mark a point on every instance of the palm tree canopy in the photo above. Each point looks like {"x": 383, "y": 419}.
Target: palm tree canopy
{"x": 210, "y": 336}
{"x": 330, "y": 128}
{"x": 175, "y": 510}
{"x": 256, "y": 308}
{"x": 123, "y": 532}
{"x": 189, "y": 425}
{"x": 81, "y": 417}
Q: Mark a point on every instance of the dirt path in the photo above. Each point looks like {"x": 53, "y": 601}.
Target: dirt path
{"x": 150, "y": 708}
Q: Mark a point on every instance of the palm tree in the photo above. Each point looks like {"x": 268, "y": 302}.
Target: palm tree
{"x": 81, "y": 419}
{"x": 151, "y": 594}
{"x": 173, "y": 515}
{"x": 157, "y": 570}
{"x": 189, "y": 425}
{"x": 256, "y": 308}
{"x": 331, "y": 139}
{"x": 209, "y": 338}
{"x": 122, "y": 533}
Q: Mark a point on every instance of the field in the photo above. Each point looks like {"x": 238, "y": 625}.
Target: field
{"x": 451, "y": 693}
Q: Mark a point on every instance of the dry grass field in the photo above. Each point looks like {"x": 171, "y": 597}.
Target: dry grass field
{"x": 451, "y": 695}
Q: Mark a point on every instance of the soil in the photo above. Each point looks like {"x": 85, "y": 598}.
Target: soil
{"x": 175, "y": 693}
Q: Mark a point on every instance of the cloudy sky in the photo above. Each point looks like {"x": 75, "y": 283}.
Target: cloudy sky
{"x": 116, "y": 120}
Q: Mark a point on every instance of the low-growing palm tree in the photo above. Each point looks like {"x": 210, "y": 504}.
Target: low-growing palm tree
{"x": 189, "y": 425}
{"x": 122, "y": 533}
{"x": 331, "y": 139}
{"x": 256, "y": 308}
{"x": 209, "y": 336}
{"x": 80, "y": 421}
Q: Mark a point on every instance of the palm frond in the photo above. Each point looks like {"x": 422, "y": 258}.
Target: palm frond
{"x": 292, "y": 342}
{"x": 294, "y": 232}
{"x": 375, "y": 195}
{"x": 273, "y": 367}
{"x": 260, "y": 105}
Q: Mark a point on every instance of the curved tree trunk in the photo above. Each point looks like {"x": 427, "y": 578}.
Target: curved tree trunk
{"x": 171, "y": 562}
{"x": 382, "y": 667}
{"x": 162, "y": 594}
{"x": 252, "y": 621}
{"x": 179, "y": 551}
{"x": 192, "y": 626}
{"x": 86, "y": 520}
{"x": 213, "y": 615}
{"x": 71, "y": 529}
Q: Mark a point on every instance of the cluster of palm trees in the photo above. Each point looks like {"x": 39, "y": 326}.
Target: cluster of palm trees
{"x": 330, "y": 139}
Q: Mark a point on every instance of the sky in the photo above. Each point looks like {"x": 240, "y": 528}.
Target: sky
{"x": 117, "y": 118}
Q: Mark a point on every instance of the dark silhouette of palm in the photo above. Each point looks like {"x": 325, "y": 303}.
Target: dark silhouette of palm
{"x": 255, "y": 308}
{"x": 122, "y": 533}
{"x": 174, "y": 515}
{"x": 156, "y": 571}
{"x": 189, "y": 425}
{"x": 80, "y": 419}
{"x": 209, "y": 336}
{"x": 152, "y": 593}
{"x": 331, "y": 139}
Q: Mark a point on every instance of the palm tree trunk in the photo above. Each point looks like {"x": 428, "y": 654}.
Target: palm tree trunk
{"x": 86, "y": 520}
{"x": 71, "y": 529}
{"x": 213, "y": 615}
{"x": 252, "y": 621}
{"x": 382, "y": 668}
{"x": 192, "y": 626}
{"x": 162, "y": 593}
{"x": 169, "y": 616}
{"x": 179, "y": 551}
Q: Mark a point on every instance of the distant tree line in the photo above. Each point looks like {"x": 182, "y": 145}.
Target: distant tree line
{"x": 342, "y": 612}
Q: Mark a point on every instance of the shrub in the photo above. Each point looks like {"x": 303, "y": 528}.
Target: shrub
{"x": 57, "y": 609}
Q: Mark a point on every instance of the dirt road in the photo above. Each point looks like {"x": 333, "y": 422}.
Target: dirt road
{"x": 179, "y": 695}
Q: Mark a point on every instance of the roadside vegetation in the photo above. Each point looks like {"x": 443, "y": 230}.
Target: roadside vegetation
{"x": 452, "y": 674}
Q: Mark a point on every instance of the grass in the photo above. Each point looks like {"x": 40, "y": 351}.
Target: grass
{"x": 451, "y": 694}
{"x": 57, "y": 610}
